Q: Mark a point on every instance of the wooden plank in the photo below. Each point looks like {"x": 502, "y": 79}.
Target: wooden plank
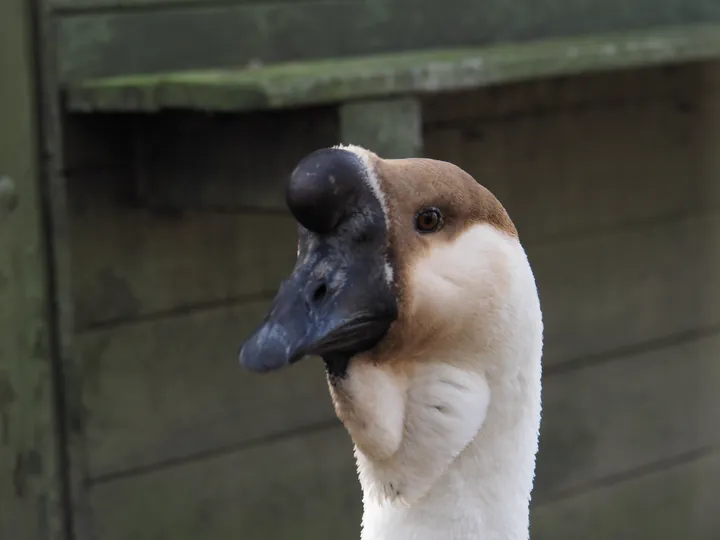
{"x": 392, "y": 127}
{"x": 305, "y": 487}
{"x": 677, "y": 502}
{"x": 679, "y": 84}
{"x": 31, "y": 494}
{"x": 572, "y": 170}
{"x": 628, "y": 286}
{"x": 634, "y": 162}
{"x": 132, "y": 263}
{"x": 302, "y": 487}
{"x": 105, "y": 44}
{"x": 172, "y": 388}
{"x": 648, "y": 159}
{"x": 71, "y": 6}
{"x": 163, "y": 389}
{"x": 316, "y": 82}
{"x": 618, "y": 416}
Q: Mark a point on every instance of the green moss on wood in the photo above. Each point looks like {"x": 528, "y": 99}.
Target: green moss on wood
{"x": 331, "y": 81}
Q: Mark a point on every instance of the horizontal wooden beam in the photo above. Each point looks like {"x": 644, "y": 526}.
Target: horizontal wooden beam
{"x": 340, "y": 80}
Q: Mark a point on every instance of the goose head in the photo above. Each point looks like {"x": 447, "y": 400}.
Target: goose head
{"x": 411, "y": 284}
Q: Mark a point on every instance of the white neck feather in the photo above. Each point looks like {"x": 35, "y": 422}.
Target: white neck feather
{"x": 446, "y": 446}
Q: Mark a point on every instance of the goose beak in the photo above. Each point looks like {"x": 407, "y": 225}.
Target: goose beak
{"x": 343, "y": 313}
{"x": 338, "y": 302}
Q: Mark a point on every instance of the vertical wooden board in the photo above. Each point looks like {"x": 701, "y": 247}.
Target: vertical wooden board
{"x": 674, "y": 503}
{"x": 302, "y": 487}
{"x": 31, "y": 496}
{"x": 391, "y": 128}
{"x": 164, "y": 390}
{"x": 567, "y": 171}
{"x": 617, "y": 416}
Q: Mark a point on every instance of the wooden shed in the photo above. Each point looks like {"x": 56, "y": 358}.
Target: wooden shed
{"x": 144, "y": 145}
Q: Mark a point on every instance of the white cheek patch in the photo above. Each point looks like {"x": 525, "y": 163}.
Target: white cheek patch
{"x": 372, "y": 180}
{"x": 467, "y": 279}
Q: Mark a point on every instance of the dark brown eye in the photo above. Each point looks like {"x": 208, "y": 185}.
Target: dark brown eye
{"x": 428, "y": 221}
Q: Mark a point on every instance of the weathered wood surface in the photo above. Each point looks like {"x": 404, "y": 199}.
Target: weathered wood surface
{"x": 174, "y": 388}
{"x": 668, "y": 275}
{"x": 619, "y": 415}
{"x": 586, "y": 411}
{"x": 614, "y": 185}
{"x": 73, "y": 6}
{"x": 106, "y": 43}
{"x": 640, "y": 158}
{"x": 302, "y": 487}
{"x": 673, "y": 503}
{"x": 194, "y": 162}
{"x": 305, "y": 487}
{"x": 216, "y": 260}
{"x": 566, "y": 171}
{"x": 632, "y": 285}
{"x": 31, "y": 505}
{"x": 682, "y": 83}
{"x": 391, "y": 127}
{"x": 381, "y": 76}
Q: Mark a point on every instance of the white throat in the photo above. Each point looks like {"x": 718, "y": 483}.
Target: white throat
{"x": 445, "y": 444}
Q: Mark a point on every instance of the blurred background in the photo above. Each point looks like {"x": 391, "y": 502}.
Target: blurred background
{"x": 144, "y": 146}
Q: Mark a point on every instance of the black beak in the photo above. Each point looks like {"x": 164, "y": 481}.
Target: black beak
{"x": 337, "y": 303}
{"x": 315, "y": 319}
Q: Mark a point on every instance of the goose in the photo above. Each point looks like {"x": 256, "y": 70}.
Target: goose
{"x": 413, "y": 287}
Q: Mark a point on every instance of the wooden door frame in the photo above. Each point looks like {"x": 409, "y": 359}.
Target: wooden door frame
{"x": 33, "y": 490}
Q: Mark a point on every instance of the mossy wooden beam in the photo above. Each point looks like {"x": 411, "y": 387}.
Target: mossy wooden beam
{"x": 340, "y": 80}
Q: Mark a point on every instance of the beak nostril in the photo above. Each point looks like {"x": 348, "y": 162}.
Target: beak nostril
{"x": 319, "y": 294}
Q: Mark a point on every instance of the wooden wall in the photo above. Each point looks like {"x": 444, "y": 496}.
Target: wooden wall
{"x": 614, "y": 183}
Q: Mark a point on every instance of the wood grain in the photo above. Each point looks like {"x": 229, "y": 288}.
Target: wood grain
{"x": 106, "y": 43}
{"x": 303, "y": 487}
{"x": 678, "y": 84}
{"x": 618, "y": 416}
{"x": 614, "y": 202}
{"x": 306, "y": 488}
{"x": 564, "y": 173}
{"x": 131, "y": 263}
{"x": 628, "y": 286}
{"x": 567, "y": 171}
{"x": 167, "y": 388}
{"x": 677, "y": 502}
{"x": 32, "y": 503}
{"x": 171, "y": 388}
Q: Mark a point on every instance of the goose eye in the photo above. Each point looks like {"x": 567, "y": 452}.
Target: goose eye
{"x": 428, "y": 221}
